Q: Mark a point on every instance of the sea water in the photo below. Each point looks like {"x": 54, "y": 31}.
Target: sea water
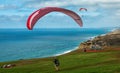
{"x": 17, "y": 44}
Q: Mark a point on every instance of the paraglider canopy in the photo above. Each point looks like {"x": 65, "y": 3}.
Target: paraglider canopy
{"x": 35, "y": 16}
{"x": 82, "y": 9}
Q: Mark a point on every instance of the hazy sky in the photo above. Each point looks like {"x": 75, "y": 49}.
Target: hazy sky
{"x": 101, "y": 13}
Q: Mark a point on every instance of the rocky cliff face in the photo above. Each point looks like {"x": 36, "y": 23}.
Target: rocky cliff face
{"x": 110, "y": 39}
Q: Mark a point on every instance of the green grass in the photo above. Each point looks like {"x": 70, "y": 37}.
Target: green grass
{"x": 75, "y": 62}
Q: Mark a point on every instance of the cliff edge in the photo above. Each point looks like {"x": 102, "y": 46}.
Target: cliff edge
{"x": 99, "y": 42}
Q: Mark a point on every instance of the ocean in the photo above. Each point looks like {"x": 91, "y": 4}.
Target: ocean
{"x": 18, "y": 44}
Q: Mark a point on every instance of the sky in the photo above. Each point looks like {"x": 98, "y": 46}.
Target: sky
{"x": 100, "y": 13}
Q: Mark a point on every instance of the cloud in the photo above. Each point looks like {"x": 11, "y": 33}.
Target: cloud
{"x": 12, "y": 21}
{"x": 110, "y": 5}
{"x": 11, "y": 18}
{"x": 107, "y": 1}
{"x": 117, "y": 14}
{"x": 95, "y": 6}
{"x": 3, "y": 7}
{"x": 36, "y": 4}
{"x": 60, "y": 3}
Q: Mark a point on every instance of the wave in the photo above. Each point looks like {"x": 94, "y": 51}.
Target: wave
{"x": 65, "y": 52}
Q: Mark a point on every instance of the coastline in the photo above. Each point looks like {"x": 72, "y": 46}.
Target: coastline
{"x": 66, "y": 52}
{"x": 61, "y": 53}
{"x": 102, "y": 41}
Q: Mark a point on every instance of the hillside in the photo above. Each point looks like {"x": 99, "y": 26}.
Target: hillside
{"x": 110, "y": 39}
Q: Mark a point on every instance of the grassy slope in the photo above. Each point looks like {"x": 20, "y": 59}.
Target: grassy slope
{"x": 75, "y": 62}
